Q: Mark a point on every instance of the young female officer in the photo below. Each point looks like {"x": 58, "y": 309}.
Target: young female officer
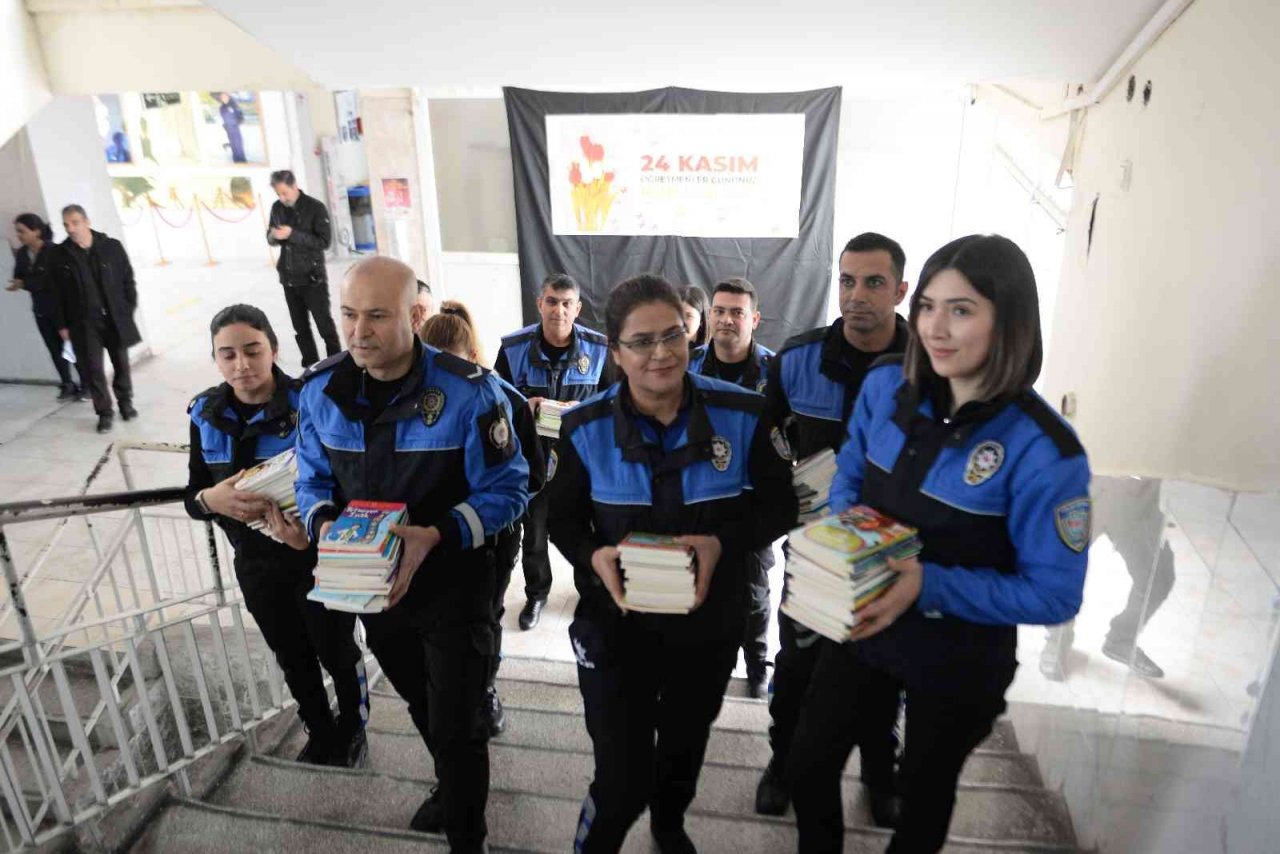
{"x": 251, "y": 417}
{"x": 666, "y": 452}
{"x": 953, "y": 441}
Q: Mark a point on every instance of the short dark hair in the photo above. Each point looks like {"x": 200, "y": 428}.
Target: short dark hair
{"x": 696, "y": 298}
{"x": 869, "y": 241}
{"x": 630, "y": 294}
{"x": 249, "y": 315}
{"x": 33, "y": 222}
{"x": 1000, "y": 271}
{"x": 76, "y": 209}
{"x": 423, "y": 287}
{"x": 283, "y": 176}
{"x": 558, "y": 282}
{"x": 736, "y": 285}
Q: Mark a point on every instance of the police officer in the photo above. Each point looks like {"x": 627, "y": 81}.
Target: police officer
{"x": 451, "y": 331}
{"x": 734, "y": 355}
{"x": 554, "y": 359}
{"x": 394, "y": 420}
{"x": 953, "y": 441}
{"x": 668, "y": 452}
{"x": 251, "y": 417}
{"x": 812, "y": 384}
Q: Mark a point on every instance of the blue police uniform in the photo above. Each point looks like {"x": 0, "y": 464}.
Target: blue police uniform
{"x": 812, "y": 384}
{"x": 714, "y": 470}
{"x": 752, "y": 374}
{"x": 582, "y": 370}
{"x": 999, "y": 493}
{"x": 440, "y": 440}
{"x": 275, "y": 578}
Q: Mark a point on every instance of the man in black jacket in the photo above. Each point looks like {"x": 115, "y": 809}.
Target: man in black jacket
{"x": 94, "y": 309}
{"x": 300, "y": 227}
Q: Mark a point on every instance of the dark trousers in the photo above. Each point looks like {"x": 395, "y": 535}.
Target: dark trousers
{"x": 649, "y": 707}
{"x": 53, "y": 343}
{"x": 508, "y": 547}
{"x": 1127, "y": 510}
{"x": 304, "y": 636}
{"x": 755, "y": 634}
{"x": 793, "y": 674}
{"x": 843, "y": 701}
{"x": 442, "y": 676}
{"x": 536, "y": 562}
{"x": 305, "y": 302}
{"x": 89, "y": 341}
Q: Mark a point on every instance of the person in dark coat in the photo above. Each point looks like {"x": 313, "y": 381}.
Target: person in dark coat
{"x": 232, "y": 117}
{"x": 300, "y": 227}
{"x": 96, "y": 299}
{"x": 31, "y": 272}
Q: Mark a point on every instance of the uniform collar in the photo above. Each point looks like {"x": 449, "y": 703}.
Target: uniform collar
{"x": 573, "y": 354}
{"x": 637, "y": 448}
{"x": 931, "y": 404}
{"x": 750, "y": 371}
{"x": 277, "y": 412}
{"x": 833, "y": 364}
{"x": 344, "y": 389}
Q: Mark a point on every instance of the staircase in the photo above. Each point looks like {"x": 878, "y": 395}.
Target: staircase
{"x": 540, "y": 768}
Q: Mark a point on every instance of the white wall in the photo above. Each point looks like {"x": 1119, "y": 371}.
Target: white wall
{"x": 1165, "y": 330}
{"x": 68, "y": 156}
{"x": 26, "y": 84}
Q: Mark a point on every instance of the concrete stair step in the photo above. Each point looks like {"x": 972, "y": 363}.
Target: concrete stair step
{"x": 518, "y": 820}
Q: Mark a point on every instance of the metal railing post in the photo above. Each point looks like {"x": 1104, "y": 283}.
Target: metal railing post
{"x": 215, "y": 565}
{"x": 30, "y": 649}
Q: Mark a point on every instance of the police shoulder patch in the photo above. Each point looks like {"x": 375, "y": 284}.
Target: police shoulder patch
{"x": 984, "y": 461}
{"x": 499, "y": 433}
{"x": 1072, "y": 519}
{"x": 780, "y": 444}
{"x": 721, "y": 453}
{"x": 553, "y": 462}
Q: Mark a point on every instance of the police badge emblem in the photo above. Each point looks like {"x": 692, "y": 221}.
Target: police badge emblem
{"x": 1072, "y": 519}
{"x": 721, "y": 453}
{"x": 984, "y": 462}
{"x": 584, "y": 364}
{"x": 553, "y": 462}
{"x": 432, "y": 405}
{"x": 288, "y": 425}
{"x": 780, "y": 444}
{"x": 499, "y": 433}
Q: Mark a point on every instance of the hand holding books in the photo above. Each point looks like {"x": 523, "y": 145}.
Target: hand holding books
{"x": 225, "y": 499}
{"x": 900, "y": 596}
{"x": 418, "y": 543}
{"x": 660, "y": 573}
{"x": 549, "y": 413}
{"x": 359, "y": 557}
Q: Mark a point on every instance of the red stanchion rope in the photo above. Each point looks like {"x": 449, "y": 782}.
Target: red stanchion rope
{"x": 141, "y": 214}
{"x": 215, "y": 215}
{"x": 190, "y": 213}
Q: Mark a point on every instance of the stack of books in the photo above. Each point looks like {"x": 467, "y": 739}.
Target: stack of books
{"x": 812, "y": 480}
{"x": 273, "y": 478}
{"x": 657, "y": 574}
{"x": 839, "y": 564}
{"x": 358, "y": 558}
{"x": 549, "y": 412}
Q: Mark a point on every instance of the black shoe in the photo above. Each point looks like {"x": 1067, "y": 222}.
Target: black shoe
{"x": 68, "y": 392}
{"x": 1134, "y": 658}
{"x": 104, "y": 422}
{"x": 127, "y": 412}
{"x": 316, "y": 751}
{"x": 531, "y": 613}
{"x": 430, "y": 816}
{"x": 352, "y": 752}
{"x": 758, "y": 682}
{"x": 886, "y": 807}
{"x": 494, "y": 715}
{"x": 673, "y": 841}
{"x": 772, "y": 796}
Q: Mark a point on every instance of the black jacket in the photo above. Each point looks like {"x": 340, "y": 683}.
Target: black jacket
{"x": 37, "y": 278}
{"x": 77, "y": 296}
{"x": 302, "y": 255}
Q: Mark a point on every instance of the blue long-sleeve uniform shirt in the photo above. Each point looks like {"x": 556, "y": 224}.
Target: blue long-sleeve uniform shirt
{"x": 1000, "y": 494}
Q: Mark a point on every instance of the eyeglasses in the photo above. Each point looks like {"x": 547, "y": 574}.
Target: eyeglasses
{"x": 648, "y": 346}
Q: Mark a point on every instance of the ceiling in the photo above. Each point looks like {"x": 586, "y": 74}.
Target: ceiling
{"x": 453, "y": 48}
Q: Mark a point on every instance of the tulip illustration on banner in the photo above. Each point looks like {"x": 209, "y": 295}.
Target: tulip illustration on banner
{"x": 592, "y": 196}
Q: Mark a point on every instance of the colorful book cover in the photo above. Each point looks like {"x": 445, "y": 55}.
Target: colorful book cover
{"x": 363, "y": 527}
{"x": 850, "y": 537}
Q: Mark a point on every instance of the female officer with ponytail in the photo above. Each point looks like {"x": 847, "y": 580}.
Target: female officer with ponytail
{"x": 952, "y": 440}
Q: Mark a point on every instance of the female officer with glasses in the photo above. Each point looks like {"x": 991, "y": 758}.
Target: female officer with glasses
{"x": 662, "y": 451}
{"x": 953, "y": 441}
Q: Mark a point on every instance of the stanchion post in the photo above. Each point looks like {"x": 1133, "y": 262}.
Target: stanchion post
{"x": 195, "y": 200}
{"x": 262, "y": 214}
{"x": 155, "y": 229}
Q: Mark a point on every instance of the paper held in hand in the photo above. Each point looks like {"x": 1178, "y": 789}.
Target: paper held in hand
{"x": 549, "y": 414}
{"x": 838, "y": 565}
{"x": 274, "y": 479}
{"x": 657, "y": 574}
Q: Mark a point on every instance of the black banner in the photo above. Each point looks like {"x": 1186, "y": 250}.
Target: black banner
{"x": 792, "y": 276}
